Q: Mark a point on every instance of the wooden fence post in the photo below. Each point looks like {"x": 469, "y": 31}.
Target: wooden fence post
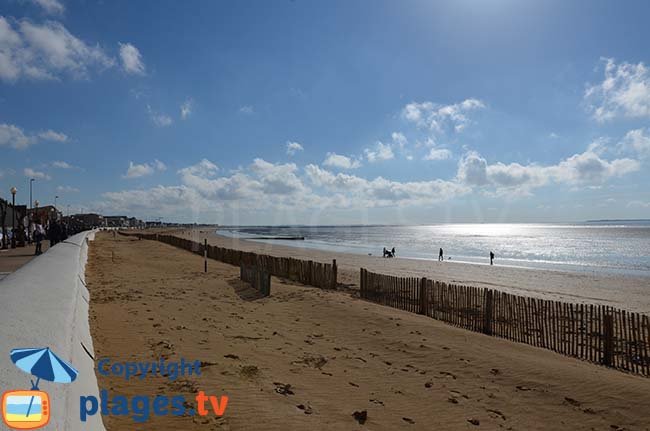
{"x": 205, "y": 255}
{"x": 608, "y": 340}
{"x": 487, "y": 309}
{"x": 424, "y": 296}
{"x": 334, "y": 272}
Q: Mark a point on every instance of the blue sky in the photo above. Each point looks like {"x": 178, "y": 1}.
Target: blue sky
{"x": 328, "y": 112}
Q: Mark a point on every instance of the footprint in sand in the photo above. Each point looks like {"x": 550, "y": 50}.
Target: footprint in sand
{"x": 360, "y": 416}
{"x": 408, "y": 420}
{"x": 446, "y": 374}
{"x": 306, "y": 409}
{"x": 496, "y": 414}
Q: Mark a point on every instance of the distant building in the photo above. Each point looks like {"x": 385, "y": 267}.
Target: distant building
{"x": 89, "y": 221}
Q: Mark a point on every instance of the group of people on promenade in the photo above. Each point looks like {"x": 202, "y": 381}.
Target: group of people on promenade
{"x": 55, "y": 231}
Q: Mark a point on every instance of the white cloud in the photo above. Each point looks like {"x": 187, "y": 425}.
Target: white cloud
{"x": 293, "y": 148}
{"x": 62, "y": 165}
{"x": 186, "y": 109}
{"x": 587, "y": 168}
{"x": 379, "y": 152}
{"x": 52, "y": 7}
{"x": 131, "y": 59}
{"x": 67, "y": 189}
{"x": 441, "y": 118}
{"x": 160, "y": 120}
{"x": 205, "y": 168}
{"x": 438, "y": 154}
{"x": 246, "y": 109}
{"x": 342, "y": 162}
{"x": 51, "y": 135}
{"x": 45, "y": 51}
{"x": 13, "y": 136}
{"x": 159, "y": 166}
{"x": 637, "y": 141}
{"x": 638, "y": 204}
{"x": 624, "y": 92}
{"x": 399, "y": 139}
{"x": 144, "y": 169}
{"x": 31, "y": 173}
{"x": 382, "y": 192}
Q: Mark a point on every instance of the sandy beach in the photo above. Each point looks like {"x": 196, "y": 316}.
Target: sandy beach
{"x": 627, "y": 292}
{"x": 305, "y": 358}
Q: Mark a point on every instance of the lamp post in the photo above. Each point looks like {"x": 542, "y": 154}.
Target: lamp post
{"x": 13, "y": 217}
{"x": 30, "y": 192}
{"x": 55, "y": 198}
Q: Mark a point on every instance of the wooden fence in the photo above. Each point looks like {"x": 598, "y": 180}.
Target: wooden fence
{"x": 323, "y": 275}
{"x": 259, "y": 279}
{"x": 596, "y": 333}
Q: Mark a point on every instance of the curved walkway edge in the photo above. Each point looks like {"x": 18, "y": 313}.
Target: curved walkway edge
{"x": 45, "y": 304}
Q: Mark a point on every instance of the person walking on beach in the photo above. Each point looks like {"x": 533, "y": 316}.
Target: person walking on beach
{"x": 441, "y": 256}
{"x": 392, "y": 252}
{"x": 491, "y": 258}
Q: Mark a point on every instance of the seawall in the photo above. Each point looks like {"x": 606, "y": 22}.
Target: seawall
{"x": 45, "y": 304}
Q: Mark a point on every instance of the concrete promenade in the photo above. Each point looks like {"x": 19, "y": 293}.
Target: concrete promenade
{"x": 44, "y": 303}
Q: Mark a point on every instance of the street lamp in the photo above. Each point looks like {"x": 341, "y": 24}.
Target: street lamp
{"x": 13, "y": 216}
{"x": 55, "y": 198}
{"x": 30, "y": 192}
{"x": 36, "y": 211}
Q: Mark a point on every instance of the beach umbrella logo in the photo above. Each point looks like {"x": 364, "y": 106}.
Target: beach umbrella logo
{"x": 31, "y": 409}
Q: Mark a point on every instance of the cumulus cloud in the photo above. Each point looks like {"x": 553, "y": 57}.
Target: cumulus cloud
{"x": 51, "y": 135}
{"x": 31, "y": 173}
{"x": 15, "y": 137}
{"x": 67, "y": 189}
{"x": 441, "y": 118}
{"x": 587, "y": 168}
{"x": 52, "y": 7}
{"x": 342, "y": 162}
{"x": 131, "y": 59}
{"x": 381, "y": 191}
{"x": 293, "y": 148}
{"x": 379, "y": 152}
{"x": 160, "y": 120}
{"x": 399, "y": 139}
{"x": 438, "y": 154}
{"x": 638, "y": 204}
{"x": 46, "y": 51}
{"x": 62, "y": 165}
{"x": 144, "y": 169}
{"x": 624, "y": 92}
{"x": 186, "y": 109}
{"x": 637, "y": 141}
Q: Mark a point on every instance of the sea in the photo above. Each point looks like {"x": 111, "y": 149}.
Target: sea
{"x": 621, "y": 247}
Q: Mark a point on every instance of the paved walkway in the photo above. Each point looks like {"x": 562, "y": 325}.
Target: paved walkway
{"x": 12, "y": 259}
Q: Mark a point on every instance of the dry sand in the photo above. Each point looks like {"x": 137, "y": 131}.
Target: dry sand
{"x": 339, "y": 354}
{"x": 627, "y": 292}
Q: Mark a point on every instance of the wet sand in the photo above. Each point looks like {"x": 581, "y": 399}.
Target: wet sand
{"x": 339, "y": 355}
{"x": 627, "y": 292}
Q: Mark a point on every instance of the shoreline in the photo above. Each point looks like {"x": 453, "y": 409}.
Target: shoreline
{"x": 631, "y": 292}
{"x": 570, "y": 267}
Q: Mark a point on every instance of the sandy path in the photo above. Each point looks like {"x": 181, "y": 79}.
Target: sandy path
{"x": 339, "y": 354}
{"x": 627, "y": 292}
